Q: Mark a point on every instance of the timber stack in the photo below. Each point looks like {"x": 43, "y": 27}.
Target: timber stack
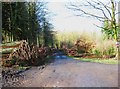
{"x": 21, "y": 53}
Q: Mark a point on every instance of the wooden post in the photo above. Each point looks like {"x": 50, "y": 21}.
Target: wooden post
{"x": 0, "y": 42}
{"x": 119, "y": 31}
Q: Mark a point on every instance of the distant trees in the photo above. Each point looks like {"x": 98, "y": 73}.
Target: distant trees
{"x": 48, "y": 35}
{"x": 26, "y": 21}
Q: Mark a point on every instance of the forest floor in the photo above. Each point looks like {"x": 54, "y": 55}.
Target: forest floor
{"x": 68, "y": 72}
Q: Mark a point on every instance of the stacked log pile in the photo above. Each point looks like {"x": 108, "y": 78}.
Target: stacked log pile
{"x": 81, "y": 48}
{"x": 21, "y": 53}
{"x": 72, "y": 52}
{"x": 7, "y": 48}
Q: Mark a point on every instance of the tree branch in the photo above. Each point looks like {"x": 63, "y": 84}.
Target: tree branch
{"x": 106, "y": 7}
{"x": 98, "y": 8}
{"x": 100, "y": 27}
{"x": 76, "y": 8}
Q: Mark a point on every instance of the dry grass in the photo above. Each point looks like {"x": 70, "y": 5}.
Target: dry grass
{"x": 102, "y": 47}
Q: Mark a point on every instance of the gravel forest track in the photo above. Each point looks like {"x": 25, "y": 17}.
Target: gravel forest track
{"x": 68, "y": 72}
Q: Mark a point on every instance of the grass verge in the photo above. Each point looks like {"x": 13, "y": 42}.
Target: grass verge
{"x": 98, "y": 60}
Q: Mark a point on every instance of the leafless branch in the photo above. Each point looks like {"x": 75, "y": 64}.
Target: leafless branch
{"x": 76, "y": 8}
{"x": 98, "y": 5}
{"x": 98, "y": 8}
{"x": 105, "y": 6}
{"x": 117, "y": 13}
{"x": 100, "y": 27}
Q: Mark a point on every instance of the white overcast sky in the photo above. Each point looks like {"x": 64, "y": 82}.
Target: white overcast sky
{"x": 64, "y": 19}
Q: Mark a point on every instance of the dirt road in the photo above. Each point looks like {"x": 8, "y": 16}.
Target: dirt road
{"x": 66, "y": 72}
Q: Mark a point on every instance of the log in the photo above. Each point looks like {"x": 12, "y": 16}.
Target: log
{"x": 5, "y": 56}
{"x": 6, "y": 51}
{"x": 8, "y": 47}
{"x": 11, "y": 43}
{"x": 12, "y": 46}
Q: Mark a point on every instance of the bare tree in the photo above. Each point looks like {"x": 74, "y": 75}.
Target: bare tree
{"x": 107, "y": 12}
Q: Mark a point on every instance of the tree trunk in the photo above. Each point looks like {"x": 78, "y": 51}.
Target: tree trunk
{"x": 114, "y": 27}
